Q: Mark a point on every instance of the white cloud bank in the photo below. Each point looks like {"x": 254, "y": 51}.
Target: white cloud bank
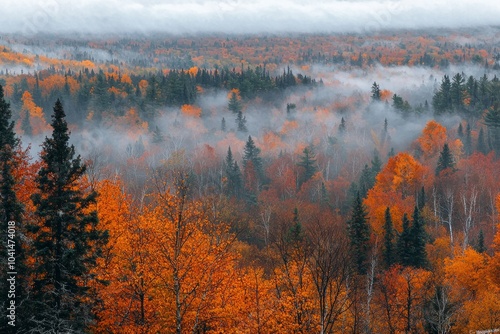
{"x": 241, "y": 16}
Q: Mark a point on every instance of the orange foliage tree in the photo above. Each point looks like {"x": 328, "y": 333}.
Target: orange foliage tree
{"x": 396, "y": 187}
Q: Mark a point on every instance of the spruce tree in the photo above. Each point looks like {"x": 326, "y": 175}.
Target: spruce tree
{"x": 445, "y": 160}
{"x": 359, "y": 236}
{"x": 223, "y": 124}
{"x": 11, "y": 244}
{"x": 404, "y": 244}
{"x": 252, "y": 153}
{"x": 376, "y": 92}
{"x": 233, "y": 175}
{"x": 308, "y": 162}
{"x": 241, "y": 122}
{"x": 418, "y": 241}
{"x": 234, "y": 104}
{"x": 342, "y": 126}
{"x": 66, "y": 237}
{"x": 389, "y": 251}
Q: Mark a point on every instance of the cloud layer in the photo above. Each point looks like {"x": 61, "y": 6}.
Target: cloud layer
{"x": 240, "y": 16}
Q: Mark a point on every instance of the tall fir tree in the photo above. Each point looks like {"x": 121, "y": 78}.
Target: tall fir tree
{"x": 418, "y": 241}
{"x": 445, "y": 160}
{"x": 359, "y": 236}
{"x": 241, "y": 122}
{"x": 404, "y": 244}
{"x": 234, "y": 104}
{"x": 233, "y": 175}
{"x": 11, "y": 244}
{"x": 66, "y": 237}
{"x": 389, "y": 251}
{"x": 308, "y": 163}
{"x": 376, "y": 95}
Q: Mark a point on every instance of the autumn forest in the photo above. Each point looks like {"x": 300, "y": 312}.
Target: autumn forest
{"x": 212, "y": 183}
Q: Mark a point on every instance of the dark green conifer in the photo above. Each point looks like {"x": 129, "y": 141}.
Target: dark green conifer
{"x": 67, "y": 240}
{"x": 359, "y": 236}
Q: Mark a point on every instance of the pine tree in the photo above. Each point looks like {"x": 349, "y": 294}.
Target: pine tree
{"x": 241, "y": 122}
{"x": 418, "y": 241}
{"x": 223, "y": 124}
{"x": 10, "y": 219}
{"x": 404, "y": 244}
{"x": 234, "y": 104}
{"x": 359, "y": 235}
{"x": 233, "y": 175}
{"x": 445, "y": 160}
{"x": 308, "y": 162}
{"x": 252, "y": 153}
{"x": 342, "y": 126}
{"x": 366, "y": 181}
{"x": 66, "y": 237}
{"x": 375, "y": 92}
{"x": 389, "y": 251}
{"x": 157, "y": 135}
{"x": 460, "y": 131}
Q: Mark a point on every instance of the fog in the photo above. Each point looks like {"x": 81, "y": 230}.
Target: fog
{"x": 238, "y": 16}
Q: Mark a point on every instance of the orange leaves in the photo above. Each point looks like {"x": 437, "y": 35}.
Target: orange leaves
{"x": 432, "y": 139}
{"x": 396, "y": 186}
{"x": 190, "y": 110}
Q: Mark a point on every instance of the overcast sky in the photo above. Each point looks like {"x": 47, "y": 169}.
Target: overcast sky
{"x": 241, "y": 16}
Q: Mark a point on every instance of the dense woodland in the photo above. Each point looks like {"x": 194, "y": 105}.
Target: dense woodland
{"x": 245, "y": 184}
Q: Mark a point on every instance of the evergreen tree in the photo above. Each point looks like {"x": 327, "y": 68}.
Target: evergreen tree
{"x": 418, "y": 241}
{"x": 445, "y": 160}
{"x": 442, "y": 100}
{"x": 26, "y": 124}
{"x": 404, "y": 244}
{"x": 252, "y": 153}
{"x": 366, "y": 181}
{"x": 359, "y": 236}
{"x": 480, "y": 247}
{"x": 375, "y": 92}
{"x": 308, "y": 162}
{"x": 233, "y": 175}
{"x": 389, "y": 251}
{"x": 342, "y": 126}
{"x": 241, "y": 122}
{"x": 234, "y": 104}
{"x": 492, "y": 121}
{"x": 376, "y": 165}
{"x": 481, "y": 143}
{"x": 10, "y": 211}
{"x": 460, "y": 131}
{"x": 66, "y": 237}
{"x": 157, "y": 135}
{"x": 223, "y": 124}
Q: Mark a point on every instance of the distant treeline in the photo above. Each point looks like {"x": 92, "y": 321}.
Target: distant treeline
{"x": 113, "y": 93}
